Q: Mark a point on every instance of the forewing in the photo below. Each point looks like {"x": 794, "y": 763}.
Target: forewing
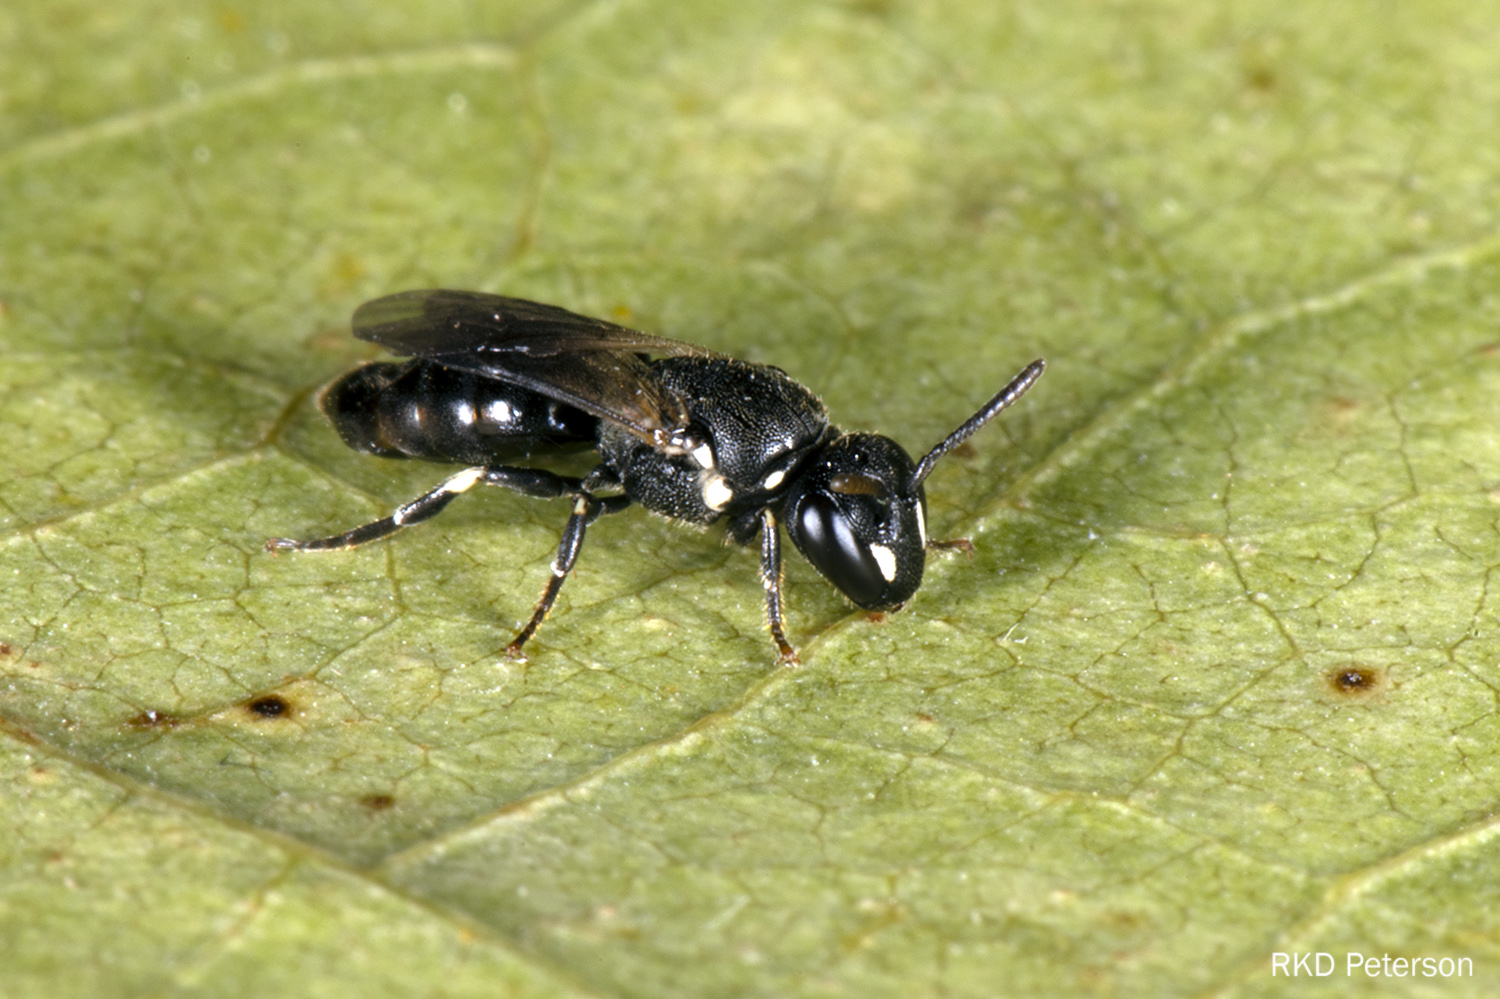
{"x": 588, "y": 363}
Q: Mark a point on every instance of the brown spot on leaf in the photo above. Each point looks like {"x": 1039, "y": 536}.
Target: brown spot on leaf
{"x": 154, "y": 719}
{"x": 344, "y": 274}
{"x": 1355, "y": 680}
{"x": 5, "y": 650}
{"x": 269, "y": 706}
{"x": 378, "y": 802}
{"x": 1260, "y": 78}
{"x": 878, "y": 9}
{"x": 1338, "y": 415}
{"x": 328, "y": 340}
{"x": 1123, "y": 919}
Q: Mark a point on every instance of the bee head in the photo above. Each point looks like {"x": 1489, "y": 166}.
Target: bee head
{"x": 858, "y": 511}
{"x": 851, "y": 514}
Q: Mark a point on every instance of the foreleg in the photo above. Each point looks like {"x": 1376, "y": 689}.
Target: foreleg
{"x": 770, "y": 578}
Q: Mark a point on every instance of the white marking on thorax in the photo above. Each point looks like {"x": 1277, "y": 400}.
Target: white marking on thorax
{"x": 716, "y": 492}
{"x": 886, "y": 560}
{"x": 773, "y": 480}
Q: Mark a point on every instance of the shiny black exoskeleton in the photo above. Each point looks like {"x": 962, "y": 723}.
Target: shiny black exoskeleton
{"x": 691, "y": 435}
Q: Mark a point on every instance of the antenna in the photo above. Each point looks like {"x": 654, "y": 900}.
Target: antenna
{"x": 1017, "y": 388}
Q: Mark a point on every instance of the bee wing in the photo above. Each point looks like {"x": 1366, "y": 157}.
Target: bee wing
{"x": 587, "y": 363}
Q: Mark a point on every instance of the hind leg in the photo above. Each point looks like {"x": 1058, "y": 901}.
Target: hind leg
{"x": 527, "y": 481}
{"x": 587, "y": 508}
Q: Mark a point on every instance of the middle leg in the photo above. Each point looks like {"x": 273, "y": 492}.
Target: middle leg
{"x": 587, "y": 508}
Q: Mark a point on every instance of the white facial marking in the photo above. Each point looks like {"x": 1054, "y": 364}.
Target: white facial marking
{"x": 773, "y": 480}
{"x": 497, "y": 411}
{"x": 922, "y": 524}
{"x": 716, "y": 492}
{"x": 886, "y": 559}
{"x": 704, "y": 456}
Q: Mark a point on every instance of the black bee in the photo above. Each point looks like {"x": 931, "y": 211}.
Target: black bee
{"x": 693, "y": 435}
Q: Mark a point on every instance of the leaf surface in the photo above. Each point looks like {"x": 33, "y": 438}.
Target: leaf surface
{"x": 1219, "y": 682}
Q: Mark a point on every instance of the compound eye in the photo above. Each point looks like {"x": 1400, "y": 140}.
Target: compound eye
{"x": 828, "y": 540}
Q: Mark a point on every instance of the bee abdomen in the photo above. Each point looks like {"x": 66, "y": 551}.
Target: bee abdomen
{"x": 424, "y": 410}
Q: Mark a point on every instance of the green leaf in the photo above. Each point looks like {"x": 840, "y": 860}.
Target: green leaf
{"x": 1219, "y": 683}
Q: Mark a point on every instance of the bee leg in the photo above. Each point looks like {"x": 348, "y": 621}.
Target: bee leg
{"x": 956, "y": 545}
{"x": 770, "y": 578}
{"x": 528, "y": 481}
{"x": 587, "y": 508}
